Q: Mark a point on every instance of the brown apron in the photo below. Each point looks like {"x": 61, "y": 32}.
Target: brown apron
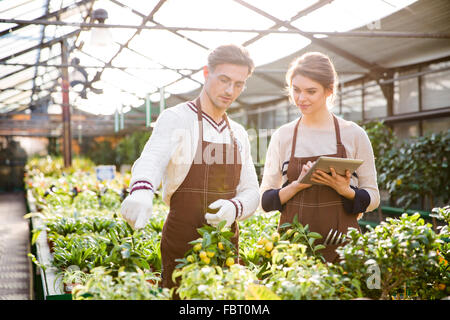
{"x": 318, "y": 206}
{"x": 205, "y": 183}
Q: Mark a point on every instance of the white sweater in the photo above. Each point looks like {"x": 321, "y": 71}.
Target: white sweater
{"x": 314, "y": 142}
{"x": 168, "y": 154}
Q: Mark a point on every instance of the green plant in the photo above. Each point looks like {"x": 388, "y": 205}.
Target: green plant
{"x": 201, "y": 282}
{"x": 261, "y": 224}
{"x": 110, "y": 199}
{"x": 136, "y": 285}
{"x": 295, "y": 232}
{"x": 86, "y": 199}
{"x": 396, "y": 253}
{"x": 130, "y": 148}
{"x": 295, "y": 275}
{"x": 416, "y": 169}
{"x": 214, "y": 247}
{"x": 382, "y": 139}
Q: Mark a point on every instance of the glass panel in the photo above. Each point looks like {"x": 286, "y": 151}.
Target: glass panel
{"x": 169, "y": 49}
{"x": 344, "y": 15}
{"x": 181, "y": 86}
{"x": 267, "y": 119}
{"x": 219, "y": 14}
{"x": 436, "y": 88}
{"x": 281, "y": 114}
{"x": 406, "y": 130}
{"x": 375, "y": 104}
{"x": 406, "y": 94}
{"x": 274, "y": 46}
{"x": 212, "y": 39}
{"x": 436, "y": 125}
{"x": 28, "y": 11}
{"x": 352, "y": 103}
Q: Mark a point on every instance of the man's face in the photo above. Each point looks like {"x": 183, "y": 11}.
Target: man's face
{"x": 225, "y": 83}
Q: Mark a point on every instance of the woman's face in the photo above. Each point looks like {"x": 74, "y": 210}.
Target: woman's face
{"x": 308, "y": 95}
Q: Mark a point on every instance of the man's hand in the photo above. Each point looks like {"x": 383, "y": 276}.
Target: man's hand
{"x": 227, "y": 212}
{"x": 137, "y": 208}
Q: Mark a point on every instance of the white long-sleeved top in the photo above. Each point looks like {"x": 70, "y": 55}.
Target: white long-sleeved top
{"x": 314, "y": 142}
{"x": 168, "y": 154}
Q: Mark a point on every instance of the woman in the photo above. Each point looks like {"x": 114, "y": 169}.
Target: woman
{"x": 337, "y": 202}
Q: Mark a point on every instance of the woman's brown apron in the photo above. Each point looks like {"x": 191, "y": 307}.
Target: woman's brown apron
{"x": 205, "y": 183}
{"x": 318, "y": 206}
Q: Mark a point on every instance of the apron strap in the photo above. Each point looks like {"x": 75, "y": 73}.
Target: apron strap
{"x": 294, "y": 139}
{"x": 340, "y": 149}
{"x": 337, "y": 130}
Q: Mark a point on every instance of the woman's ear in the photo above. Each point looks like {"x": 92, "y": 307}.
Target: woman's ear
{"x": 328, "y": 92}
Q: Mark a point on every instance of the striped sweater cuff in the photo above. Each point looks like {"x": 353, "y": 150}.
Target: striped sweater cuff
{"x": 141, "y": 185}
{"x": 239, "y": 207}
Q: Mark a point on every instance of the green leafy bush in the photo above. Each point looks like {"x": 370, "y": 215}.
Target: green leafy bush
{"x": 101, "y": 285}
{"x": 295, "y": 275}
{"x": 213, "y": 282}
{"x": 397, "y": 253}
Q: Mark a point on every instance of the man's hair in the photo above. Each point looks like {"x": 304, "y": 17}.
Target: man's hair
{"x": 232, "y": 54}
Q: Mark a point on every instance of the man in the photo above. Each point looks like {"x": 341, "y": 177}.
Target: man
{"x": 203, "y": 160}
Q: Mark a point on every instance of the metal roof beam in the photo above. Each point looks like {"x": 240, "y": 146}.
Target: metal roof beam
{"x": 290, "y": 29}
{"x": 44, "y": 45}
{"x": 302, "y": 13}
{"x": 45, "y": 17}
{"x": 137, "y": 32}
{"x": 38, "y": 58}
{"x": 343, "y": 53}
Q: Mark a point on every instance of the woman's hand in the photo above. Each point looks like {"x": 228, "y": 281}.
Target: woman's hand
{"x": 339, "y": 183}
{"x": 305, "y": 170}
{"x": 293, "y": 188}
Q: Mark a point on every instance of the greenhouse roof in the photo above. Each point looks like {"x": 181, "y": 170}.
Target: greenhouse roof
{"x": 160, "y": 46}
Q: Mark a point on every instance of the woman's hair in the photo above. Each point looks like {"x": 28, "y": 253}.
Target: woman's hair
{"x": 232, "y": 54}
{"x": 316, "y": 66}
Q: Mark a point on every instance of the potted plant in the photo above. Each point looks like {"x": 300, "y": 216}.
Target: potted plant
{"x": 71, "y": 277}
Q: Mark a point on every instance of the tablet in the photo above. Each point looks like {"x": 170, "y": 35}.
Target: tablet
{"x": 339, "y": 164}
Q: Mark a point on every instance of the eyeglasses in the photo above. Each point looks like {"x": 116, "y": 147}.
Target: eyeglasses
{"x": 226, "y": 82}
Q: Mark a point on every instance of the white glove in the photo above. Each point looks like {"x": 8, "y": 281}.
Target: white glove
{"x": 137, "y": 208}
{"x": 227, "y": 212}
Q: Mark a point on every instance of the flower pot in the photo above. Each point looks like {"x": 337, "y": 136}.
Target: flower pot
{"x": 68, "y": 287}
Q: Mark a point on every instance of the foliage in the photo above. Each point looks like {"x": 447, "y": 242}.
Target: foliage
{"x": 127, "y": 150}
{"x": 296, "y": 275}
{"x": 295, "y": 232}
{"x": 412, "y": 169}
{"x": 101, "y": 285}
{"x": 130, "y": 147}
{"x": 113, "y": 261}
{"x": 382, "y": 139}
{"x": 213, "y": 282}
{"x": 214, "y": 247}
{"x": 398, "y": 252}
{"x": 261, "y": 224}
